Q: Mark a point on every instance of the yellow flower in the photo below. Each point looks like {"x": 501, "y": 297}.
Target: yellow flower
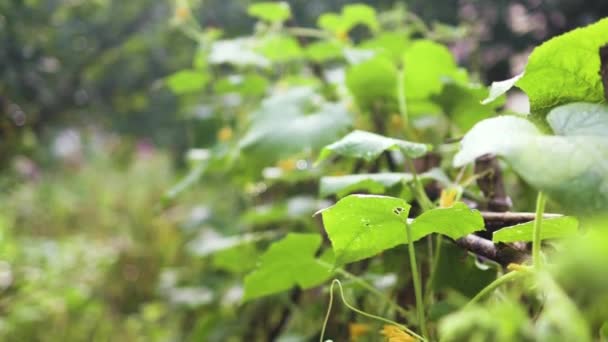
{"x": 182, "y": 13}
{"x": 448, "y": 197}
{"x": 287, "y": 164}
{"x": 396, "y": 121}
{"x": 393, "y": 333}
{"x": 518, "y": 267}
{"x": 224, "y": 134}
{"x": 342, "y": 36}
{"x": 357, "y": 330}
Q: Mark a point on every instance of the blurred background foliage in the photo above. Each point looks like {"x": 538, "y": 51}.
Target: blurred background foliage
{"x": 92, "y": 136}
{"x": 103, "y": 62}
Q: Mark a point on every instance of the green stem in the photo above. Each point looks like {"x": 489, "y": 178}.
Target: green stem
{"x": 373, "y": 290}
{"x": 436, "y": 258}
{"x": 360, "y": 312}
{"x": 495, "y": 284}
{"x": 307, "y": 32}
{"x": 417, "y": 282}
{"x": 402, "y": 102}
{"x": 401, "y": 99}
{"x": 540, "y": 210}
{"x": 421, "y": 195}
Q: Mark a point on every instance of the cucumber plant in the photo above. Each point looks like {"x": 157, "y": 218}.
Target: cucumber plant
{"x": 368, "y": 121}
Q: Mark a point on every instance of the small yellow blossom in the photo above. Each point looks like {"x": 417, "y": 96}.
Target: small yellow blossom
{"x": 224, "y": 134}
{"x": 518, "y": 267}
{"x": 393, "y": 333}
{"x": 396, "y": 121}
{"x": 287, "y": 164}
{"x": 342, "y": 36}
{"x": 448, "y": 197}
{"x": 182, "y": 13}
{"x": 357, "y": 330}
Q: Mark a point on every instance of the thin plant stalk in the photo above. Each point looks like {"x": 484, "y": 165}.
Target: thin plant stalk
{"x": 361, "y": 282}
{"x": 417, "y": 282}
{"x": 434, "y": 267}
{"x": 423, "y": 199}
{"x": 494, "y": 285}
{"x": 360, "y": 312}
{"x": 540, "y": 210}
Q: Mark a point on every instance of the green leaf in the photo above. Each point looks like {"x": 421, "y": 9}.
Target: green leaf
{"x": 287, "y": 263}
{"x": 187, "y": 81}
{"x": 351, "y": 16}
{"x": 457, "y": 270}
{"x": 427, "y": 67}
{"x": 361, "y": 226}
{"x": 462, "y": 103}
{"x": 389, "y": 45}
{"x": 566, "y": 69}
{"x": 323, "y": 51}
{"x": 210, "y": 242}
{"x": 553, "y": 228}
{"x": 571, "y": 168}
{"x": 246, "y": 85}
{"x": 238, "y": 259}
{"x": 480, "y": 323}
{"x": 293, "y": 209}
{"x": 290, "y": 122}
{"x": 372, "y": 82}
{"x": 455, "y": 222}
{"x": 332, "y": 22}
{"x": 274, "y": 12}
{"x": 580, "y": 119}
{"x": 501, "y": 87}
{"x": 280, "y": 48}
{"x": 369, "y": 146}
{"x": 356, "y": 14}
{"x": 373, "y": 183}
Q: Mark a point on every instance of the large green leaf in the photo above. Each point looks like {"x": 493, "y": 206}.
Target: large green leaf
{"x": 373, "y": 82}
{"x": 291, "y": 122}
{"x": 361, "y": 226}
{"x": 581, "y": 119}
{"x": 455, "y": 222}
{"x": 562, "y": 70}
{"x": 553, "y": 228}
{"x": 274, "y": 12}
{"x": 571, "y": 168}
{"x": 287, "y": 263}
{"x": 187, "y": 81}
{"x": 369, "y": 146}
{"x": 427, "y": 66}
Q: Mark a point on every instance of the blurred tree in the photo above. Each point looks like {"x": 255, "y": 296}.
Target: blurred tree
{"x": 78, "y": 62}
